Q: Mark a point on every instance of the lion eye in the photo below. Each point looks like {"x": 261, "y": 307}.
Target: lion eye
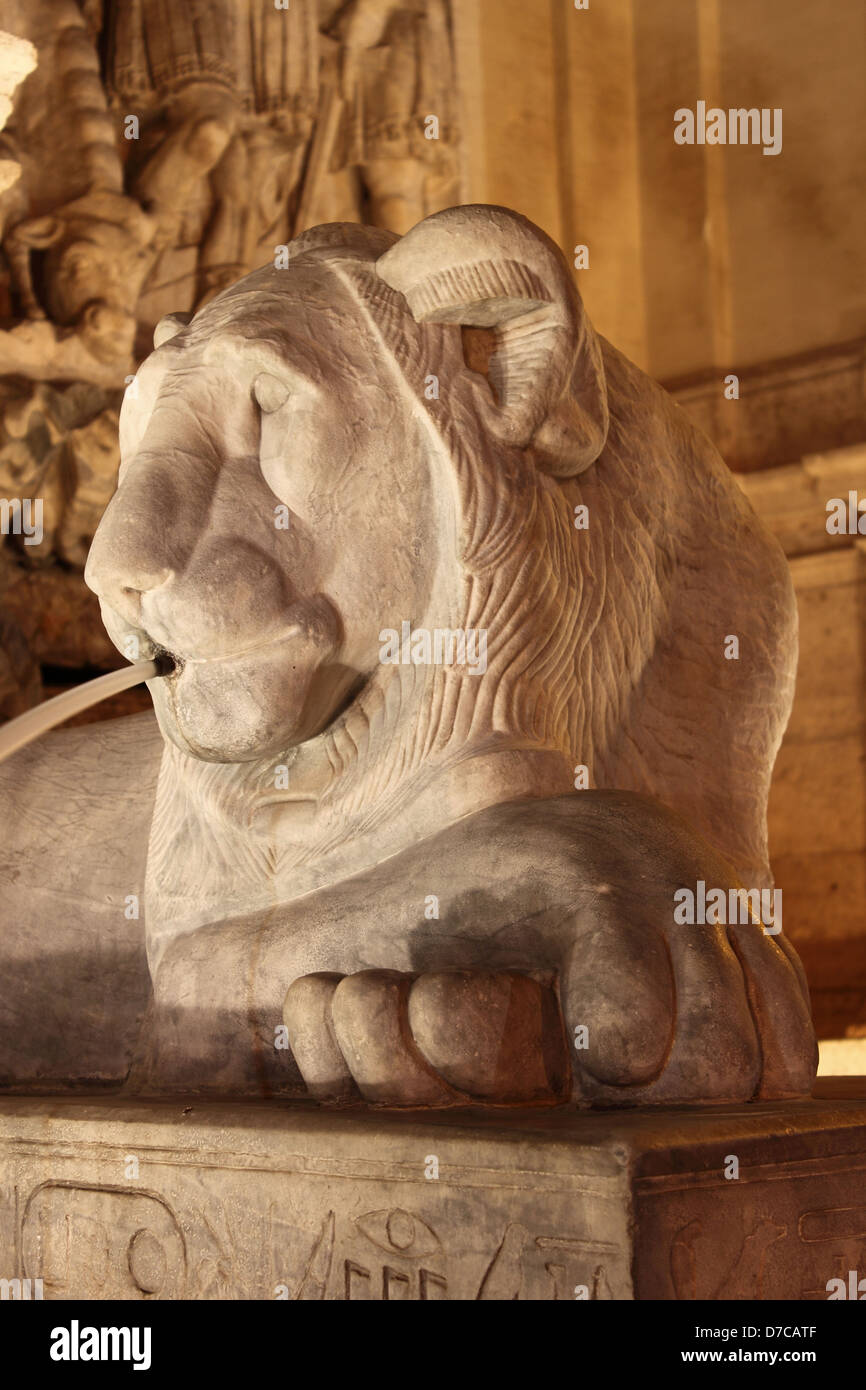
{"x": 270, "y": 393}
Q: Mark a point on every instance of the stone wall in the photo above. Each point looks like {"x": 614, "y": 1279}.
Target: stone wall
{"x": 818, "y": 801}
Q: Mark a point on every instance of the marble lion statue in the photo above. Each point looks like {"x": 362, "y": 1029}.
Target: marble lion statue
{"x": 346, "y": 860}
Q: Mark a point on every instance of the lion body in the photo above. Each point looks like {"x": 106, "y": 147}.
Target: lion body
{"x": 651, "y": 648}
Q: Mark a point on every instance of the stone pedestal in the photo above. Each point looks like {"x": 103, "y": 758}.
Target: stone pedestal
{"x": 112, "y": 1198}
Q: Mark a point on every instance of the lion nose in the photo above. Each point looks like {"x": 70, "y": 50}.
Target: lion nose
{"x": 124, "y": 564}
{"x": 127, "y": 600}
{"x": 141, "y": 543}
{"x": 121, "y": 590}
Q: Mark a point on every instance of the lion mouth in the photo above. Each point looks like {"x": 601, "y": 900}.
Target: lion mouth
{"x": 178, "y": 661}
{"x": 166, "y": 664}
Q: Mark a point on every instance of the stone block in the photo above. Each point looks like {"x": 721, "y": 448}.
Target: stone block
{"x": 117, "y": 1199}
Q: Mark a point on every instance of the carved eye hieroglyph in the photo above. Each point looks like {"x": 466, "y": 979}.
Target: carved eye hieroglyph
{"x": 399, "y": 1232}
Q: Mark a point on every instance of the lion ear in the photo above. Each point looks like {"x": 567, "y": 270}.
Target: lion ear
{"x": 486, "y": 267}
{"x": 168, "y": 327}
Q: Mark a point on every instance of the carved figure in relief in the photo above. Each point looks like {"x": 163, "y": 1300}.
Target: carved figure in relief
{"x": 163, "y": 150}
{"x": 744, "y": 1277}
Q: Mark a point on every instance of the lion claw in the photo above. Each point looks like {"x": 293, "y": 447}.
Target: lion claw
{"x": 438, "y": 1039}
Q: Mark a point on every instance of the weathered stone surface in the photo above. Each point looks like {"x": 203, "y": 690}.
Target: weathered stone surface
{"x": 74, "y": 983}
{"x": 312, "y": 1038}
{"x": 600, "y": 914}
{"x": 131, "y": 1200}
{"x": 369, "y": 1009}
{"x": 791, "y": 1221}
{"x": 291, "y": 489}
{"x": 501, "y": 1040}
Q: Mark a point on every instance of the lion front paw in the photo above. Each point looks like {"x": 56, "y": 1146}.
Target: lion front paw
{"x": 443, "y": 1038}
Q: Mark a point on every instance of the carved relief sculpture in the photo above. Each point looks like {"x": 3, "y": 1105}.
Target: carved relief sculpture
{"x": 161, "y": 152}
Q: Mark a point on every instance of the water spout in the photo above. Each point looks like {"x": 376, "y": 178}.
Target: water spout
{"x": 34, "y": 722}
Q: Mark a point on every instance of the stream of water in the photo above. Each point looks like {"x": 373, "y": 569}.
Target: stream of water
{"x": 34, "y": 722}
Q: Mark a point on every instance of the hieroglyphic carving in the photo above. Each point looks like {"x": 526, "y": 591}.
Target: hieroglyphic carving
{"x": 315, "y": 1280}
{"x": 228, "y": 1206}
{"x": 781, "y": 1230}
{"x": 572, "y": 1266}
{"x": 743, "y": 1277}
{"x": 838, "y": 1235}
{"x": 405, "y": 1239}
{"x": 117, "y": 1242}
